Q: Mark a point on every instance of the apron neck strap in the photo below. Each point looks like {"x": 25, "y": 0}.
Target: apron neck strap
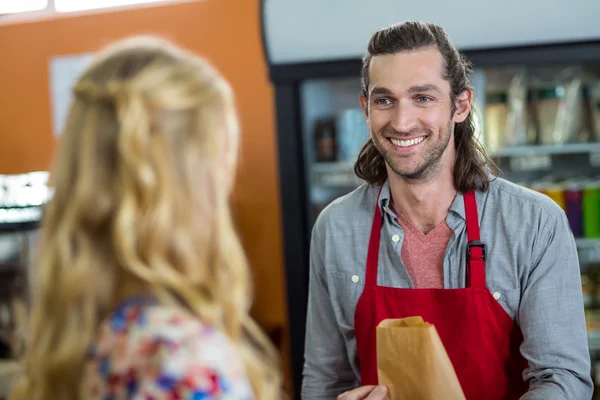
{"x": 476, "y": 250}
{"x": 373, "y": 250}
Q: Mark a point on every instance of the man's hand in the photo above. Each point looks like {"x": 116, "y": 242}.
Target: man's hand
{"x": 365, "y": 393}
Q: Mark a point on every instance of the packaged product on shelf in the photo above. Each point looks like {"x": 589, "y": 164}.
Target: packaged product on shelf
{"x": 592, "y": 319}
{"x": 353, "y": 132}
{"x": 591, "y": 210}
{"x": 539, "y": 187}
{"x": 325, "y": 140}
{"x": 496, "y": 112}
{"x": 557, "y": 193}
{"x": 574, "y": 106}
{"x": 516, "y": 121}
{"x": 560, "y": 110}
{"x": 548, "y": 104}
{"x": 573, "y": 198}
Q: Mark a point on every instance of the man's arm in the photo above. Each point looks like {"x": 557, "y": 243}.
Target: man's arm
{"x": 552, "y": 318}
{"x": 327, "y": 371}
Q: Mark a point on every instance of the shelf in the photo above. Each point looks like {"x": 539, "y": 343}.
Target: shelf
{"x": 334, "y": 175}
{"x": 571, "y": 148}
{"x": 341, "y": 174}
{"x": 594, "y": 343}
{"x": 589, "y": 251}
{"x": 15, "y": 227}
{"x": 16, "y": 219}
{"x": 587, "y": 243}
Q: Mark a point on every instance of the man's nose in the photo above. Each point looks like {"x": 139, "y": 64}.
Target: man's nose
{"x": 404, "y": 118}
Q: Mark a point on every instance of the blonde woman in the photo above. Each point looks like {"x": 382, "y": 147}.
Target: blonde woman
{"x": 142, "y": 285}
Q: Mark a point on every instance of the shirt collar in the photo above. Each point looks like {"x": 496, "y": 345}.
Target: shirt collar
{"x": 457, "y": 208}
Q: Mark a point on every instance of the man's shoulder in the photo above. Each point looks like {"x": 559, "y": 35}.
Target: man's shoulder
{"x": 511, "y": 196}
{"x": 356, "y": 206}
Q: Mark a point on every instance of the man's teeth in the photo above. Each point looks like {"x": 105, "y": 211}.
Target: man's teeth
{"x": 406, "y": 143}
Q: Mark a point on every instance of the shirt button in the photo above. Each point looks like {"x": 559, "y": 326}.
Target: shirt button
{"x": 355, "y": 278}
{"x": 497, "y": 295}
{"x": 395, "y": 238}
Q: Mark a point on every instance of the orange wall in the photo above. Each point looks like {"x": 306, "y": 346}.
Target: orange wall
{"x": 227, "y": 32}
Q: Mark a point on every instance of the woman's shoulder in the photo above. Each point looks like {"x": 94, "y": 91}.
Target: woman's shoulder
{"x": 168, "y": 350}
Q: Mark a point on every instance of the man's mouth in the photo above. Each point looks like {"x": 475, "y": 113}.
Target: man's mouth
{"x": 408, "y": 142}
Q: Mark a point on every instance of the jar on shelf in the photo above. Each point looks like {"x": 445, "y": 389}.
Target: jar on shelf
{"x": 516, "y": 118}
{"x": 560, "y": 112}
{"x": 496, "y": 111}
{"x": 548, "y": 103}
{"x": 521, "y": 119}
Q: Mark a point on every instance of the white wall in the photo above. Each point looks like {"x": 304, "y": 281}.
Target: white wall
{"x": 318, "y": 30}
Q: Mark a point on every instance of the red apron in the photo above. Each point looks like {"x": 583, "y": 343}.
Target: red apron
{"x": 481, "y": 339}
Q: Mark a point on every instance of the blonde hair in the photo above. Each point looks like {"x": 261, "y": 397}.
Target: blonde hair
{"x": 141, "y": 206}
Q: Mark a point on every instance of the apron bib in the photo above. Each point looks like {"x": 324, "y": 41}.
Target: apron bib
{"x": 481, "y": 339}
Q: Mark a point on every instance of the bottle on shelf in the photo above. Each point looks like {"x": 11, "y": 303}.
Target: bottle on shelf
{"x": 579, "y": 198}
{"x": 591, "y": 210}
{"x": 325, "y": 140}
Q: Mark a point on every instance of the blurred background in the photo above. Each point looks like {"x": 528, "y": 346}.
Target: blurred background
{"x": 295, "y": 69}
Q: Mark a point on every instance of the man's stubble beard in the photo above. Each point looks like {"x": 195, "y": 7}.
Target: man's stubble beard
{"x": 431, "y": 159}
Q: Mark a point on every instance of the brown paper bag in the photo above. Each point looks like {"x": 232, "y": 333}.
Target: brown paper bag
{"x": 412, "y": 362}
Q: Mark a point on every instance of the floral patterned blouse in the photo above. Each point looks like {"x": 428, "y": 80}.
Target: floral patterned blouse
{"x": 156, "y": 352}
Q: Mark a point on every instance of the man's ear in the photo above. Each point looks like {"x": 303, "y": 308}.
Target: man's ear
{"x": 364, "y": 104}
{"x": 462, "y": 105}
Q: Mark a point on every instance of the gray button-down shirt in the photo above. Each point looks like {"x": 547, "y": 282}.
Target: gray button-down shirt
{"x": 532, "y": 267}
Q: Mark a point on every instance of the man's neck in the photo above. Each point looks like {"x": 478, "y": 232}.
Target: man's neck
{"x": 425, "y": 204}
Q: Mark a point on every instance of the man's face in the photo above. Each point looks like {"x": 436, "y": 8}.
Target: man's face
{"x": 410, "y": 113}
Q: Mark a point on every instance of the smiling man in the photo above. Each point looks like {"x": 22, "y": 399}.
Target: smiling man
{"x": 434, "y": 232}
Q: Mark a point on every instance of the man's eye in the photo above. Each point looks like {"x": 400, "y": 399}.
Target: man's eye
{"x": 423, "y": 99}
{"x": 382, "y": 101}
